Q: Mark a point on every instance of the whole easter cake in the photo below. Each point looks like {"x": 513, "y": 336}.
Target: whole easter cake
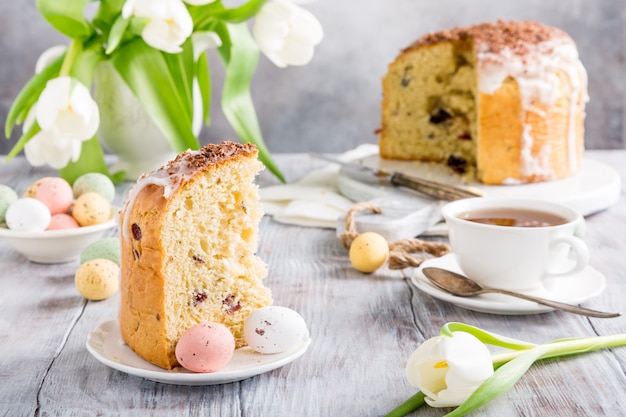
{"x": 189, "y": 234}
{"x": 504, "y": 102}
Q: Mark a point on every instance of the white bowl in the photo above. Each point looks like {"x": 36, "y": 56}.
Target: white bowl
{"x": 57, "y": 246}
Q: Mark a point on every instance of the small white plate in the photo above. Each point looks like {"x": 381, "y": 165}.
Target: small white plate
{"x": 596, "y": 187}
{"x": 573, "y": 289}
{"x": 107, "y": 346}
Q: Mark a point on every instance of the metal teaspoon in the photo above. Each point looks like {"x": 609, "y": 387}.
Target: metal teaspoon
{"x": 457, "y": 284}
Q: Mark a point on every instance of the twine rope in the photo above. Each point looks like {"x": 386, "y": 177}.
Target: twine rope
{"x": 401, "y": 251}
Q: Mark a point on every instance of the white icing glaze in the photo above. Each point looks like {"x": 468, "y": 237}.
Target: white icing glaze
{"x": 536, "y": 74}
{"x": 169, "y": 176}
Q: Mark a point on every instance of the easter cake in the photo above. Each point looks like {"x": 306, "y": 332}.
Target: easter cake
{"x": 189, "y": 234}
{"x": 503, "y": 101}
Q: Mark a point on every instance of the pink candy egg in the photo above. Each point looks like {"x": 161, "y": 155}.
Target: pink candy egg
{"x": 56, "y": 193}
{"x": 206, "y": 347}
{"x": 62, "y": 221}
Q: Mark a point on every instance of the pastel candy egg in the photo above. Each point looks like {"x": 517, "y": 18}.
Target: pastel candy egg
{"x": 107, "y": 248}
{"x": 205, "y": 347}
{"x": 368, "y": 252}
{"x": 30, "y": 191}
{"x": 94, "y": 182}
{"x": 91, "y": 208}
{"x": 28, "y": 214}
{"x": 62, "y": 221}
{"x": 97, "y": 279}
{"x": 7, "y": 197}
{"x": 56, "y": 193}
{"x": 274, "y": 329}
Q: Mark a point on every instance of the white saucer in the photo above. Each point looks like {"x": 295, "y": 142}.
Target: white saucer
{"x": 573, "y": 289}
{"x": 596, "y": 187}
{"x": 106, "y": 345}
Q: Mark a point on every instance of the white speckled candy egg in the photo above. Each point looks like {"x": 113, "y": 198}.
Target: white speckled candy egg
{"x": 107, "y": 248}
{"x": 274, "y": 329}
{"x": 94, "y": 182}
{"x": 28, "y": 214}
{"x": 7, "y": 197}
{"x": 97, "y": 279}
{"x": 90, "y": 209}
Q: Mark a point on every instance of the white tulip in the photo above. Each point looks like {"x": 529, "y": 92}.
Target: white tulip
{"x": 169, "y": 23}
{"x": 48, "y": 56}
{"x": 449, "y": 369}
{"x": 286, "y": 33}
{"x": 46, "y": 148}
{"x": 67, "y": 116}
{"x": 65, "y": 108}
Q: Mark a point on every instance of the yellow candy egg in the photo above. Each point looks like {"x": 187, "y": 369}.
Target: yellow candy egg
{"x": 91, "y": 208}
{"x": 97, "y": 279}
{"x": 368, "y": 252}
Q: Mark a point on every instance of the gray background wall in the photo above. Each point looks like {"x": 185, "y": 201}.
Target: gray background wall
{"x": 332, "y": 104}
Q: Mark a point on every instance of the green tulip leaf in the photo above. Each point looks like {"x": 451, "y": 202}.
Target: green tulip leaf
{"x": 108, "y": 12}
{"x": 181, "y": 68}
{"x": 146, "y": 72}
{"x": 203, "y": 16}
{"x": 237, "y": 102}
{"x": 29, "y": 95}
{"x": 203, "y": 75}
{"x": 116, "y": 34}
{"x": 485, "y": 336}
{"x": 23, "y": 140}
{"x": 66, "y": 16}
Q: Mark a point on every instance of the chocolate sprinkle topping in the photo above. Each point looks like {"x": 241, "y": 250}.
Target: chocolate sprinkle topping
{"x": 496, "y": 36}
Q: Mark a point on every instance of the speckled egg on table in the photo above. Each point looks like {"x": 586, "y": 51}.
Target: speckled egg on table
{"x": 97, "y": 279}
{"x": 274, "y": 329}
{"x": 7, "y": 197}
{"x": 91, "y": 208}
{"x": 28, "y": 214}
{"x": 94, "y": 182}
{"x": 107, "y": 248}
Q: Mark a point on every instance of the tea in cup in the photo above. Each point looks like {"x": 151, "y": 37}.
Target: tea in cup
{"x": 515, "y": 244}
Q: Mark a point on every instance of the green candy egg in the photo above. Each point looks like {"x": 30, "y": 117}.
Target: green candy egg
{"x": 7, "y": 197}
{"x": 107, "y": 248}
{"x": 94, "y": 182}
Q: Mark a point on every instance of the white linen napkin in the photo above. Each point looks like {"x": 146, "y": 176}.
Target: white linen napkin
{"x": 315, "y": 201}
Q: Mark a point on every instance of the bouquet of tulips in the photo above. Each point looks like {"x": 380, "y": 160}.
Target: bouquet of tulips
{"x": 158, "y": 48}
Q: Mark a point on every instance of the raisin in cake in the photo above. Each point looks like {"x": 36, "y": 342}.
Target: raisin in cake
{"x": 503, "y": 101}
{"x": 189, "y": 237}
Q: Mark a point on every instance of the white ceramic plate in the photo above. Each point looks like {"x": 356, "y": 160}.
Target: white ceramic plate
{"x": 573, "y": 289}
{"x": 106, "y": 345}
{"x": 596, "y": 187}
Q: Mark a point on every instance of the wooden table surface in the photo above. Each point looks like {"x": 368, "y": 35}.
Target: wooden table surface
{"x": 363, "y": 329}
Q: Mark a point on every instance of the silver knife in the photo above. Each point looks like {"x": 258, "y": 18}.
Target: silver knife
{"x": 430, "y": 188}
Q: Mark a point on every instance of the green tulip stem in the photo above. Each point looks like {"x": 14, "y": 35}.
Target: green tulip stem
{"x": 70, "y": 56}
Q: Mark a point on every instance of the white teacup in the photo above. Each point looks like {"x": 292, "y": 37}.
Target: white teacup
{"x": 515, "y": 257}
